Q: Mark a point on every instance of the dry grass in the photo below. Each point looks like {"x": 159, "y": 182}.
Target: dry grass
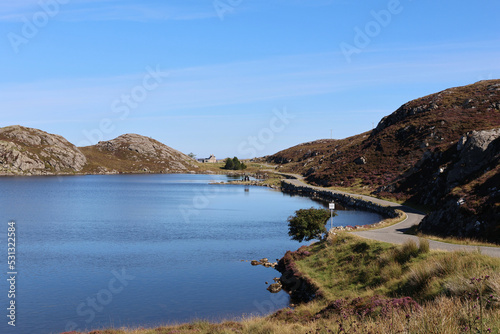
{"x": 451, "y": 240}
{"x": 442, "y": 316}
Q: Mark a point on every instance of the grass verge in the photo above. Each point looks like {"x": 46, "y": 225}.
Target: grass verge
{"x": 450, "y": 240}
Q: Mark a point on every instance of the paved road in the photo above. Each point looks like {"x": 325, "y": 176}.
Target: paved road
{"x": 395, "y": 233}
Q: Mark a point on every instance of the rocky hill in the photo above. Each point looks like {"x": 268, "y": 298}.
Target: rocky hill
{"x": 132, "y": 153}
{"x": 27, "y": 151}
{"x": 440, "y": 151}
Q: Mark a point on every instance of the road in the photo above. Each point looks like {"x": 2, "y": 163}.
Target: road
{"x": 395, "y": 233}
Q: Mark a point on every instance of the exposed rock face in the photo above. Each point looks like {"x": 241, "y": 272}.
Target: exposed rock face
{"x": 26, "y": 151}
{"x": 476, "y": 149}
{"x": 468, "y": 192}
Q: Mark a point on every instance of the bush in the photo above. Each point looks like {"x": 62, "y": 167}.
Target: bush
{"x": 308, "y": 224}
{"x": 234, "y": 164}
{"x": 229, "y": 164}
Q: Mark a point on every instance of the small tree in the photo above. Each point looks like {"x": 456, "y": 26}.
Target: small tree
{"x": 192, "y": 155}
{"x": 229, "y": 164}
{"x": 308, "y": 224}
{"x": 236, "y": 164}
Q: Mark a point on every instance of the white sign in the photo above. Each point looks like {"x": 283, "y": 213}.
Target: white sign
{"x": 332, "y": 206}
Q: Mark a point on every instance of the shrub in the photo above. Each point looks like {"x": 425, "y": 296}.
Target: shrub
{"x": 308, "y": 224}
{"x": 234, "y": 164}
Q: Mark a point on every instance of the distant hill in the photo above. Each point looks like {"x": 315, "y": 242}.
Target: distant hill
{"x": 27, "y": 151}
{"x": 441, "y": 150}
{"x": 132, "y": 153}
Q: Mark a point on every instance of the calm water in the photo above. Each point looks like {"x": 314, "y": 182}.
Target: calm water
{"x": 142, "y": 250}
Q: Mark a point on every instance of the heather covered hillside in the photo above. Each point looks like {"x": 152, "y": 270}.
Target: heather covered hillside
{"x": 441, "y": 151}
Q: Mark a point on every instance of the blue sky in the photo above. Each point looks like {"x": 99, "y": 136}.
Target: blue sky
{"x": 233, "y": 77}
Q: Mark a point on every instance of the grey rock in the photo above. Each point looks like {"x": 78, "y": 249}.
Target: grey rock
{"x": 275, "y": 287}
{"x": 476, "y": 150}
{"x": 360, "y": 161}
{"x": 27, "y": 151}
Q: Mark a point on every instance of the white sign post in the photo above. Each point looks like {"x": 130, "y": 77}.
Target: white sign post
{"x": 332, "y": 207}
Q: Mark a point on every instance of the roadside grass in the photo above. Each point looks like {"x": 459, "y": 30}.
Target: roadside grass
{"x": 274, "y": 181}
{"x": 385, "y": 223}
{"x": 366, "y": 286}
{"x": 450, "y": 240}
{"x": 347, "y": 265}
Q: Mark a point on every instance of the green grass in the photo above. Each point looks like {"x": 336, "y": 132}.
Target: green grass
{"x": 348, "y": 265}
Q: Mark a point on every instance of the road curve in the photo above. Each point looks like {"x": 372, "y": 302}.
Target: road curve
{"x": 395, "y": 234}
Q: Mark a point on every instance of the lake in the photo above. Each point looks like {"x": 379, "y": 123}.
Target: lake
{"x": 143, "y": 250}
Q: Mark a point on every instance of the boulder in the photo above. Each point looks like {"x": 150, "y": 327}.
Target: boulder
{"x": 360, "y": 161}
{"x": 275, "y": 287}
{"x": 477, "y": 149}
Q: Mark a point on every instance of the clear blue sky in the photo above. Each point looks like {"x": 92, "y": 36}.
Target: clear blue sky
{"x": 210, "y": 79}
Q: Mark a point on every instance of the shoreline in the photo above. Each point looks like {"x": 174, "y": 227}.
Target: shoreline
{"x": 327, "y": 196}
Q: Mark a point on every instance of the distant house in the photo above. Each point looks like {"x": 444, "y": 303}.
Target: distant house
{"x": 211, "y": 160}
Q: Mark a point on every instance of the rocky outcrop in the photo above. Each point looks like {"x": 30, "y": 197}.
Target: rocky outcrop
{"x": 300, "y": 287}
{"x": 264, "y": 262}
{"x": 360, "y": 161}
{"x": 477, "y": 149}
{"x": 130, "y": 153}
{"x": 27, "y": 151}
{"x": 469, "y": 190}
{"x": 140, "y": 146}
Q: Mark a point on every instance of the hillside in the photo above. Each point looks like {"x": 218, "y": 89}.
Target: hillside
{"x": 27, "y": 151}
{"x": 132, "y": 153}
{"x": 441, "y": 151}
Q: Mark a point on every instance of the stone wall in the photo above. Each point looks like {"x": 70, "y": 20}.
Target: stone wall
{"x": 345, "y": 200}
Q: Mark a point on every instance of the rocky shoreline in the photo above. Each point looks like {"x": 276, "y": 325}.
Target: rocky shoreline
{"x": 299, "y": 287}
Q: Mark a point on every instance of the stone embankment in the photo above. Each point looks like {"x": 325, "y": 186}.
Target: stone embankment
{"x": 344, "y": 199}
